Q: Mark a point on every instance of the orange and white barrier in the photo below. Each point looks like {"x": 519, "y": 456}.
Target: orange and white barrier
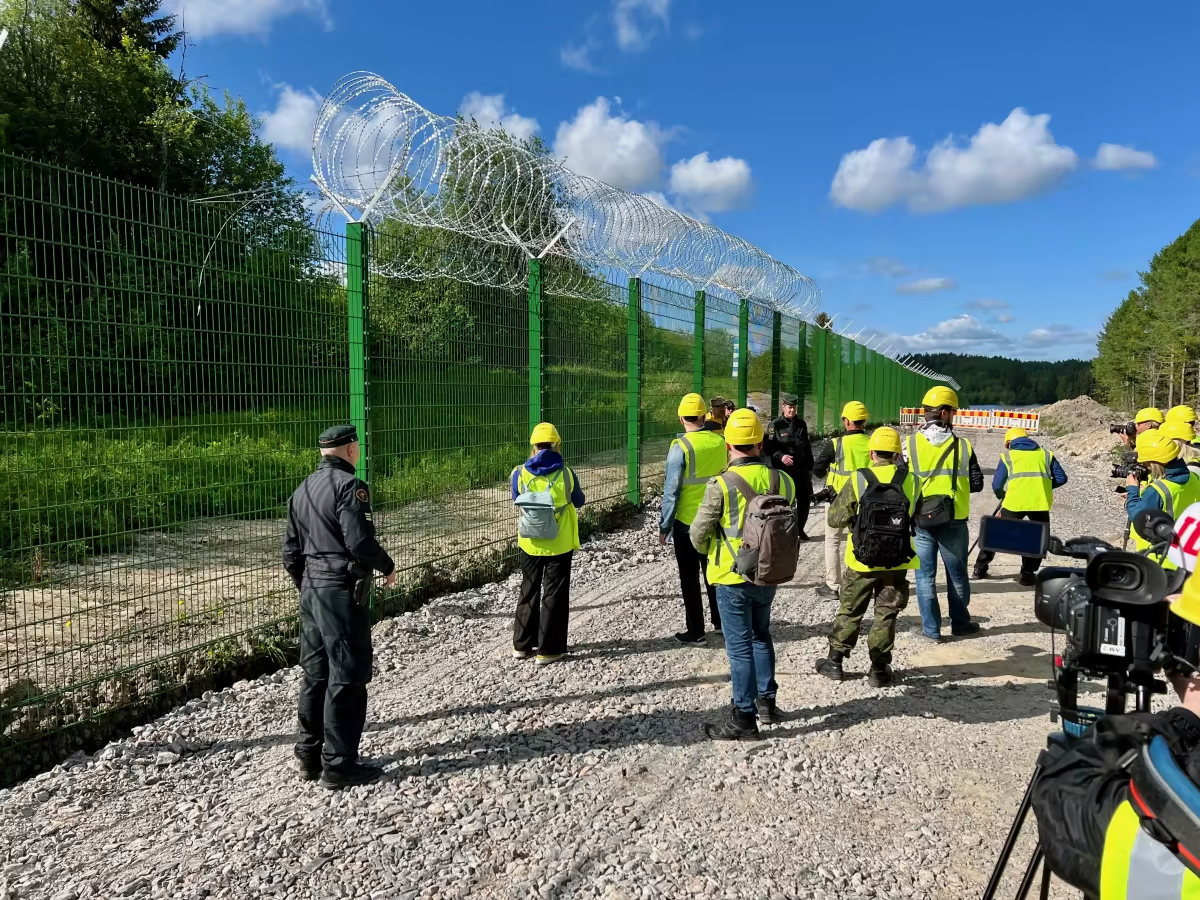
{"x": 979, "y": 419}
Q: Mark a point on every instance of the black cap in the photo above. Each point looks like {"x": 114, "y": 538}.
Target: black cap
{"x": 337, "y": 436}
{"x": 788, "y": 398}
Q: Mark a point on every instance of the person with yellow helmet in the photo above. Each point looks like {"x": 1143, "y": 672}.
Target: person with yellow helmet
{"x": 1181, "y": 414}
{"x": 837, "y": 460}
{"x": 695, "y": 457}
{"x": 545, "y": 551}
{"x": 1183, "y": 434}
{"x": 1113, "y": 807}
{"x": 1146, "y": 419}
{"x": 947, "y": 473}
{"x": 745, "y": 607}
{"x": 715, "y": 421}
{"x": 884, "y": 481}
{"x": 1025, "y": 480}
{"x": 1169, "y": 487}
{"x": 789, "y": 449}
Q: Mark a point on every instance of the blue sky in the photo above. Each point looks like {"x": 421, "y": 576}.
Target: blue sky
{"x": 953, "y": 179}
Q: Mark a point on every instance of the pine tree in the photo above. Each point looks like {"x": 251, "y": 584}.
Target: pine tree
{"x": 110, "y": 20}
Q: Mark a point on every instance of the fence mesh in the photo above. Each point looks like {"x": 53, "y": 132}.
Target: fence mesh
{"x": 166, "y": 365}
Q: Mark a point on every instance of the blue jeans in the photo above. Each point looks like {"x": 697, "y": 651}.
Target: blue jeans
{"x": 952, "y": 541}
{"x": 746, "y": 620}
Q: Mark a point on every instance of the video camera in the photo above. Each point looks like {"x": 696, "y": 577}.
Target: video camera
{"x": 1126, "y": 428}
{"x": 1113, "y": 611}
{"x": 825, "y": 495}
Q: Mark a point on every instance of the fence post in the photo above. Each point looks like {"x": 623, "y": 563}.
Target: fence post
{"x": 776, "y": 362}
{"x": 803, "y": 385}
{"x": 633, "y": 391}
{"x": 535, "y": 330}
{"x": 838, "y": 349}
{"x": 698, "y": 346}
{"x": 743, "y": 350}
{"x": 821, "y": 339}
{"x": 357, "y": 312}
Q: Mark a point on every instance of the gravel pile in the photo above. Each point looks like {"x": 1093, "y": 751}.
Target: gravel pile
{"x": 1081, "y": 429}
{"x": 586, "y": 779}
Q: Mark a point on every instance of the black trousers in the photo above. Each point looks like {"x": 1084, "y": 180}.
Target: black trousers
{"x": 1028, "y": 563}
{"x": 335, "y": 654}
{"x": 804, "y": 493}
{"x": 691, "y": 569}
{"x": 544, "y": 610}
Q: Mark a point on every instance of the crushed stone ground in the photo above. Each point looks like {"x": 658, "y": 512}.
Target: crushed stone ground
{"x": 586, "y": 779}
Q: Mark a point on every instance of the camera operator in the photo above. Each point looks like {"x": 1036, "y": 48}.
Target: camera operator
{"x": 1145, "y": 420}
{"x": 1169, "y": 486}
{"x": 1097, "y": 832}
{"x": 1184, "y": 436}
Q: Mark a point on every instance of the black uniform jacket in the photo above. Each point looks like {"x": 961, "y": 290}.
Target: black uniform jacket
{"x": 788, "y": 437}
{"x": 330, "y": 530}
{"x": 1083, "y": 785}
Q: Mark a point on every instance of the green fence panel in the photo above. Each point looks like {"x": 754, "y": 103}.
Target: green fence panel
{"x": 822, "y": 377}
{"x": 698, "y": 345}
{"x": 776, "y": 361}
{"x": 743, "y": 353}
{"x": 669, "y": 361}
{"x": 357, "y": 312}
{"x": 720, "y": 341}
{"x": 633, "y": 392}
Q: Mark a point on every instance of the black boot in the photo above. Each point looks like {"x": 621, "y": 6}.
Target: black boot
{"x": 355, "y": 774}
{"x": 740, "y": 726}
{"x": 825, "y": 592}
{"x": 979, "y": 572}
{"x": 767, "y": 712}
{"x": 880, "y": 675}
{"x": 831, "y": 666}
{"x": 309, "y": 767}
{"x": 1028, "y": 579}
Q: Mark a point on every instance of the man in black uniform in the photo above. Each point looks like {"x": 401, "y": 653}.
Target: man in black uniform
{"x": 331, "y": 553}
{"x": 788, "y": 449}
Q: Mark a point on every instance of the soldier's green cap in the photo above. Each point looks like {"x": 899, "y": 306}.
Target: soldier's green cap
{"x": 718, "y": 401}
{"x": 788, "y": 398}
{"x": 337, "y": 436}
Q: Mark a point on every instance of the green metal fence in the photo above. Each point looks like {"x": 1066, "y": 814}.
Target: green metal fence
{"x": 166, "y": 365}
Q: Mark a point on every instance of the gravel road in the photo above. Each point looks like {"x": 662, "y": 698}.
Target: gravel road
{"x": 589, "y": 778}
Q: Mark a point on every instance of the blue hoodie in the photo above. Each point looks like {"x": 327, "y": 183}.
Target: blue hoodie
{"x": 1058, "y": 477}
{"x": 547, "y": 462}
{"x": 1135, "y": 501}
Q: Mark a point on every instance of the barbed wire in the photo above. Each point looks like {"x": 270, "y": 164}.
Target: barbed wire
{"x": 400, "y": 167}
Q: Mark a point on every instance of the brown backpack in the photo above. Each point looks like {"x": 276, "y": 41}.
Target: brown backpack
{"x": 770, "y": 534}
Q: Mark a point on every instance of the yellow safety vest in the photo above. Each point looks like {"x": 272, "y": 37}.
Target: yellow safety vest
{"x": 568, "y": 522}
{"x": 704, "y": 455}
{"x": 1137, "y": 867}
{"x": 884, "y": 474}
{"x": 923, "y": 457}
{"x": 1176, "y": 498}
{"x": 723, "y": 548}
{"x": 850, "y": 454}
{"x": 720, "y": 425}
{"x": 1029, "y": 486}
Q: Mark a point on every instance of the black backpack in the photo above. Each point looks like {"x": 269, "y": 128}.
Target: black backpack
{"x": 883, "y": 527}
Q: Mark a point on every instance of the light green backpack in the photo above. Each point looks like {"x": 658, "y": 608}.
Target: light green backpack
{"x": 539, "y": 516}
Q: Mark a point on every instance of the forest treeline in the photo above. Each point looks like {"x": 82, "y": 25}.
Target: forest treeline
{"x": 1149, "y": 349}
{"x": 1012, "y": 382}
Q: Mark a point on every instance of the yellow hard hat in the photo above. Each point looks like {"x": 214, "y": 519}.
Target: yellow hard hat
{"x": 1178, "y": 430}
{"x": 886, "y": 440}
{"x": 742, "y": 428}
{"x": 1182, "y": 414}
{"x": 692, "y": 405}
{"x": 854, "y": 411}
{"x": 1013, "y": 433}
{"x": 1149, "y": 414}
{"x": 940, "y": 396}
{"x": 1157, "y": 448}
{"x": 545, "y": 433}
{"x": 1187, "y": 607}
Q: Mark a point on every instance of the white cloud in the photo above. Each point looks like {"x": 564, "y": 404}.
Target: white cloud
{"x": 658, "y": 197}
{"x": 290, "y": 125}
{"x": 204, "y": 18}
{"x": 1053, "y": 335}
{"x": 988, "y": 305}
{"x": 1114, "y": 157}
{"x": 638, "y": 21}
{"x": 609, "y": 146}
{"x": 708, "y": 186}
{"x": 1000, "y": 164}
{"x": 579, "y": 56}
{"x": 886, "y": 265}
{"x": 926, "y": 286}
{"x": 960, "y": 334}
{"x": 1003, "y": 318}
{"x": 490, "y": 112}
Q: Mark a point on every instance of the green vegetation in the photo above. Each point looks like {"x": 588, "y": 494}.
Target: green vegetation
{"x": 1013, "y": 382}
{"x": 1149, "y": 349}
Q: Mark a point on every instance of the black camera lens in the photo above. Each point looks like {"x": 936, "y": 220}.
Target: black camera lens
{"x": 1119, "y": 575}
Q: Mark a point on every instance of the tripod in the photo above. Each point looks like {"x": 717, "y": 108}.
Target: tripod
{"x": 1075, "y": 722}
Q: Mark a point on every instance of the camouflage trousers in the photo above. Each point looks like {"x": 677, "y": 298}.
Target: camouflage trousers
{"x": 890, "y": 592}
